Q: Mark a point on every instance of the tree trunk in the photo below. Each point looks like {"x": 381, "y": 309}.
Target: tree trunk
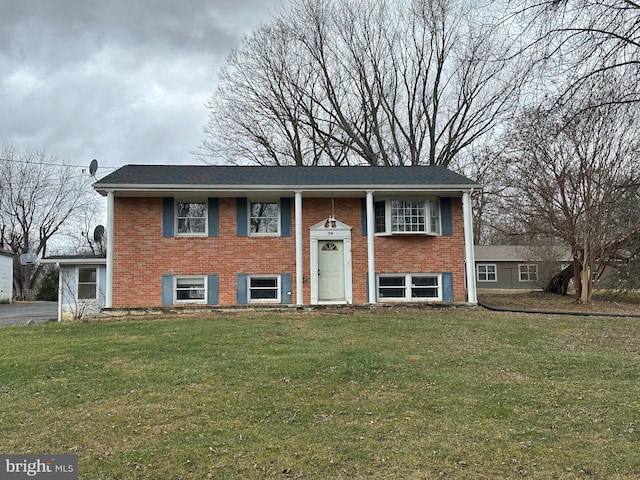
{"x": 560, "y": 281}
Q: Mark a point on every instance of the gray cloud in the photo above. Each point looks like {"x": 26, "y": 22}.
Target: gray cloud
{"x": 120, "y": 81}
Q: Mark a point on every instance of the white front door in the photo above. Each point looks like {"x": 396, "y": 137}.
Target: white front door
{"x": 331, "y": 270}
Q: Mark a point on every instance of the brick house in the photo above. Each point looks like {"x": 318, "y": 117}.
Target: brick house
{"x": 222, "y": 235}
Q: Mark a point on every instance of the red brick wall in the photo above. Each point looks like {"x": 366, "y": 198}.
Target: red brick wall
{"x": 142, "y": 255}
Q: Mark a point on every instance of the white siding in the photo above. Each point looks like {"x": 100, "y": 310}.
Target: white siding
{"x": 6, "y": 278}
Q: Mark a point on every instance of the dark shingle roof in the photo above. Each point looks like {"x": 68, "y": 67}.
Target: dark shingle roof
{"x": 131, "y": 177}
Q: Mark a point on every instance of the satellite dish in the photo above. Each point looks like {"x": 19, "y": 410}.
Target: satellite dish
{"x": 98, "y": 233}
{"x": 28, "y": 258}
{"x": 93, "y": 167}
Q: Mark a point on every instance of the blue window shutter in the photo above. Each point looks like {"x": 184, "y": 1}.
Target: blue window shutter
{"x": 242, "y": 214}
{"x": 446, "y": 216}
{"x": 447, "y": 287}
{"x": 364, "y": 217}
{"x": 212, "y": 289}
{"x": 168, "y": 217}
{"x": 285, "y": 217}
{"x": 241, "y": 289}
{"x": 167, "y": 289}
{"x": 285, "y": 288}
{"x": 213, "y": 205}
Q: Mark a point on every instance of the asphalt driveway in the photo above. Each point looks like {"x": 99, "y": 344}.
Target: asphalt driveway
{"x": 21, "y": 313}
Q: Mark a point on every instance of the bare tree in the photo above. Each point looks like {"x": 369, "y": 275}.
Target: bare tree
{"x": 568, "y": 172}
{"x": 380, "y": 83}
{"x": 580, "y": 45}
{"x": 39, "y": 195}
{"x": 491, "y": 215}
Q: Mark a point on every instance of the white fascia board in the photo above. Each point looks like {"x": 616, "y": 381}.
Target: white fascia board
{"x": 327, "y": 189}
{"x": 74, "y": 261}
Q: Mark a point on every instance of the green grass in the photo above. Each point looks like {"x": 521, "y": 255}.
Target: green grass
{"x": 390, "y": 394}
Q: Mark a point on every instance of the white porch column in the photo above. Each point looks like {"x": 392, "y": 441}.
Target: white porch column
{"x": 371, "y": 258}
{"x": 110, "y": 248}
{"x": 299, "y": 265}
{"x": 469, "y": 256}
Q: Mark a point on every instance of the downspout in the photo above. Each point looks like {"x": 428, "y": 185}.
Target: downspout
{"x": 472, "y": 296}
{"x": 110, "y": 248}
{"x": 299, "y": 258}
{"x": 371, "y": 259}
{"x": 60, "y": 295}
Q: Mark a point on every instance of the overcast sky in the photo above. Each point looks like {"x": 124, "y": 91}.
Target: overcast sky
{"x": 122, "y": 81}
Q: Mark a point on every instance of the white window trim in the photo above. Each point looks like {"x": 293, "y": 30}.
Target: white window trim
{"x": 278, "y": 288}
{"x": 175, "y": 288}
{"x": 87, "y": 300}
{"x": 528, "y": 265}
{"x": 388, "y": 232}
{"x": 495, "y": 272}
{"x": 408, "y": 284}
{"x": 263, "y": 234}
{"x": 206, "y": 219}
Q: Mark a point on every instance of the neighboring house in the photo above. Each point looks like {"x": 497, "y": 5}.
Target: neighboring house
{"x": 81, "y": 285}
{"x": 6, "y": 276}
{"x": 517, "y": 267}
{"x": 221, "y": 235}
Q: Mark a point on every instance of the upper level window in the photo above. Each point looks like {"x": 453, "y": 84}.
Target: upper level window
{"x": 87, "y": 283}
{"x": 264, "y": 218}
{"x": 528, "y": 273}
{"x": 418, "y": 216}
{"x": 191, "y": 218}
{"x": 487, "y": 273}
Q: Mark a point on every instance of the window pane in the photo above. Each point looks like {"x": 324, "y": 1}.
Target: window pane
{"x": 434, "y": 217}
{"x": 190, "y": 289}
{"x": 190, "y": 282}
{"x": 386, "y": 292}
{"x": 391, "y": 287}
{"x": 380, "y": 221}
{"x": 424, "y": 287}
{"x": 264, "y": 217}
{"x": 87, "y": 275}
{"x": 192, "y": 217}
{"x": 408, "y": 216}
{"x": 86, "y": 291}
{"x": 191, "y": 225}
{"x": 87, "y": 283}
{"x": 265, "y": 294}
{"x": 391, "y": 281}
{"x": 263, "y": 288}
{"x": 191, "y": 209}
{"x": 264, "y": 282}
{"x": 425, "y": 281}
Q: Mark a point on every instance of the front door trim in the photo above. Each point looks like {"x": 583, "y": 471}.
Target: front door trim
{"x": 318, "y": 233}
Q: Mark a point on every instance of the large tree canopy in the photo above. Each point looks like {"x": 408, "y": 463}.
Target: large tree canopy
{"x": 351, "y": 82}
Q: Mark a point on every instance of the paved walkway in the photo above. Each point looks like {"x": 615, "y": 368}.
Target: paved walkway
{"x": 21, "y": 313}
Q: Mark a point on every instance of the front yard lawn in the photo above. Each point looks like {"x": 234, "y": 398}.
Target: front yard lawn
{"x": 393, "y": 393}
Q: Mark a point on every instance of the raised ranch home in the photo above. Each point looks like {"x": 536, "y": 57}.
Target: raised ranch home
{"x": 221, "y": 235}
